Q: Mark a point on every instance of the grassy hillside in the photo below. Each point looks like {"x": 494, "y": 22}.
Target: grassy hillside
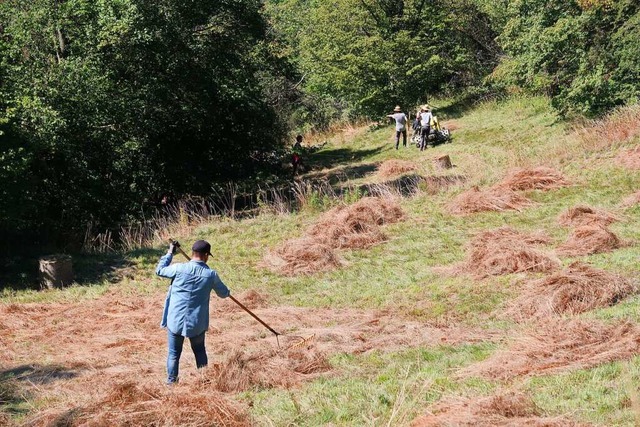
{"x": 395, "y": 334}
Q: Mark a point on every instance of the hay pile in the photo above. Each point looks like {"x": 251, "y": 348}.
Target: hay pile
{"x": 451, "y": 125}
{"x": 506, "y": 408}
{"x": 493, "y": 199}
{"x": 559, "y": 345}
{"x": 631, "y": 200}
{"x": 630, "y": 159}
{"x": 576, "y": 289}
{"x": 265, "y": 368}
{"x": 434, "y": 184}
{"x": 395, "y": 167}
{"x": 506, "y": 250}
{"x": 4, "y": 419}
{"x": 356, "y": 226}
{"x": 586, "y": 215}
{"x": 539, "y": 178}
{"x": 589, "y": 239}
{"x": 301, "y": 256}
{"x": 132, "y": 404}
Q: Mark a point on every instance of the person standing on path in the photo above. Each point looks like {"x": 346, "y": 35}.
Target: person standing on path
{"x": 401, "y": 125}
{"x": 425, "y": 126}
{"x": 186, "y": 308}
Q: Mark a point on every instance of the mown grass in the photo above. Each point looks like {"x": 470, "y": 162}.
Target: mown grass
{"x": 373, "y": 389}
{"x": 607, "y": 394}
{"x": 391, "y": 388}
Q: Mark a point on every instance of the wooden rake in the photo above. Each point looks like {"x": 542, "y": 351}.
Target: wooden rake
{"x": 301, "y": 341}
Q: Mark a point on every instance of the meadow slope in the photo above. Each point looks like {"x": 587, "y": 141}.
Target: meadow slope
{"x": 488, "y": 301}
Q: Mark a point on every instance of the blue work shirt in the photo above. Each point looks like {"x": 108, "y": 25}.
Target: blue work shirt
{"x": 186, "y": 309}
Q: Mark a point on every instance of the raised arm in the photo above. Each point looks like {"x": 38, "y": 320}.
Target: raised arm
{"x": 164, "y": 269}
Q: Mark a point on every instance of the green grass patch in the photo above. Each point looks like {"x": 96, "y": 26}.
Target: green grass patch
{"x": 372, "y": 389}
{"x": 605, "y": 395}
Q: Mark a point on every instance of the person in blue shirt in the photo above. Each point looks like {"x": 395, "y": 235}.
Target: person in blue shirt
{"x": 186, "y": 308}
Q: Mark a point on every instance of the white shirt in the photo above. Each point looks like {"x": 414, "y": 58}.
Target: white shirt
{"x": 425, "y": 118}
{"x": 401, "y": 121}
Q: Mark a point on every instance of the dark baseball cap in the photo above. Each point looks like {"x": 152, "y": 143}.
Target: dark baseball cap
{"x": 201, "y": 246}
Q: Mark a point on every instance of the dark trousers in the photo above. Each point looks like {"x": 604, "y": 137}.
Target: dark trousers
{"x": 424, "y": 136}
{"x": 175, "y": 350}
{"x": 404, "y": 138}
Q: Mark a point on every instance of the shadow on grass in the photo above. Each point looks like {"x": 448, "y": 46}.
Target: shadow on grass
{"x": 343, "y": 173}
{"x": 89, "y": 269}
{"x": 15, "y": 383}
{"x": 335, "y": 157}
{"x": 406, "y": 185}
{"x": 39, "y": 374}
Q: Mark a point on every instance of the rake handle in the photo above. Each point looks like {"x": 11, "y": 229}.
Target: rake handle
{"x": 253, "y": 315}
{"x": 233, "y": 299}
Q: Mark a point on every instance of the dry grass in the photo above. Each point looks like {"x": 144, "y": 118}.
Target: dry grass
{"x": 558, "y": 345}
{"x": 357, "y": 225}
{"x": 132, "y": 404}
{"x": 586, "y": 215}
{"x": 301, "y": 256}
{"x": 505, "y": 408}
{"x": 621, "y": 126}
{"x": 629, "y": 158}
{"x": 493, "y": 199}
{"x": 265, "y": 368}
{"x": 538, "y": 178}
{"x": 576, "y": 289}
{"x": 451, "y": 125}
{"x": 631, "y": 200}
{"x": 118, "y": 376}
{"x": 4, "y": 419}
{"x": 434, "y": 184}
{"x": 506, "y": 250}
{"x": 395, "y": 167}
{"x": 251, "y": 299}
{"x": 338, "y": 132}
{"x": 589, "y": 239}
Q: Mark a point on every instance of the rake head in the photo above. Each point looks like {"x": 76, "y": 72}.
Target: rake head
{"x": 301, "y": 342}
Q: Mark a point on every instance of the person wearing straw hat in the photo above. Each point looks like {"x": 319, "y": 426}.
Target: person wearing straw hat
{"x": 425, "y": 123}
{"x": 186, "y": 308}
{"x": 401, "y": 125}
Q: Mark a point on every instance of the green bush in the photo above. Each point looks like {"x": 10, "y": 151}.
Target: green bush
{"x": 106, "y": 107}
{"x": 582, "y": 54}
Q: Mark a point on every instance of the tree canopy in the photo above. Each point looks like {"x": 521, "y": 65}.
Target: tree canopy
{"x": 107, "y": 105}
{"x": 584, "y": 54}
{"x": 372, "y": 54}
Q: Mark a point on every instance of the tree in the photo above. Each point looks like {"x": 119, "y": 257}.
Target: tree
{"x": 373, "y": 54}
{"x": 580, "y": 53}
{"x": 108, "y": 105}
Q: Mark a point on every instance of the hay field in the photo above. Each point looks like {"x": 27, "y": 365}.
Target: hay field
{"x": 508, "y": 296}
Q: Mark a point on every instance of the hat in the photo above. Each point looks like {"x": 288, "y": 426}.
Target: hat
{"x": 397, "y": 109}
{"x": 202, "y": 247}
